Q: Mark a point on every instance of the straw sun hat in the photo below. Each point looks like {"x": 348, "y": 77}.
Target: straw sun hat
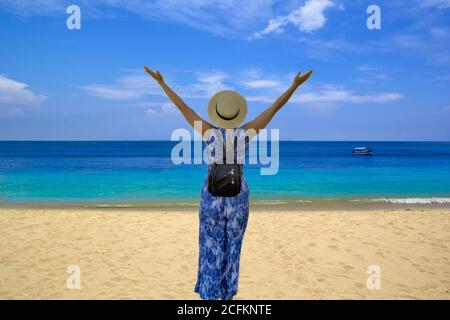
{"x": 227, "y": 109}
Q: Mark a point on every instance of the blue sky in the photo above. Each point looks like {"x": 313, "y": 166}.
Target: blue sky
{"x": 88, "y": 84}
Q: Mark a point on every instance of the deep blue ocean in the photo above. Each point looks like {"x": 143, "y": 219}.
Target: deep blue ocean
{"x": 141, "y": 173}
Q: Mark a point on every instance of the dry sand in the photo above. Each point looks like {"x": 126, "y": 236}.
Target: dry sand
{"x": 286, "y": 255}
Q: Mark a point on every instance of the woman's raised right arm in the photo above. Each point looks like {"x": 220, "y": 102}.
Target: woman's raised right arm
{"x": 190, "y": 115}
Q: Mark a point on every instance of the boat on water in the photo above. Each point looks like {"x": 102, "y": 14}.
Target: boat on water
{"x": 363, "y": 150}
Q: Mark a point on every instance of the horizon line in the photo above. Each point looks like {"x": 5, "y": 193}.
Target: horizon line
{"x": 157, "y": 140}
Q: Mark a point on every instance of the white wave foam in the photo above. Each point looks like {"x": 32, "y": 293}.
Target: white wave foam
{"x": 412, "y": 200}
{"x": 185, "y": 204}
{"x": 270, "y": 202}
{"x": 113, "y": 206}
{"x": 144, "y": 205}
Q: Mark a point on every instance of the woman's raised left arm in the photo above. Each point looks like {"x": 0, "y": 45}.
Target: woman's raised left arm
{"x": 264, "y": 118}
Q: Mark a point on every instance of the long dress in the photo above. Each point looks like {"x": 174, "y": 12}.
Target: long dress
{"x": 223, "y": 221}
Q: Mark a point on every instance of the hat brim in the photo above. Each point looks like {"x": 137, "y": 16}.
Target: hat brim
{"x": 221, "y": 122}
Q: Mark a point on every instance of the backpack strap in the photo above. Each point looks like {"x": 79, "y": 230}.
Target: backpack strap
{"x": 224, "y": 152}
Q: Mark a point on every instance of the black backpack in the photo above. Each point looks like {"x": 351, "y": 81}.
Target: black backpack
{"x": 224, "y": 180}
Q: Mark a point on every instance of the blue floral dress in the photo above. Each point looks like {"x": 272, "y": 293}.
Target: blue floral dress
{"x": 223, "y": 221}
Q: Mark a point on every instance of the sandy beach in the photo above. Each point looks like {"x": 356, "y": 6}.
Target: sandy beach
{"x": 139, "y": 254}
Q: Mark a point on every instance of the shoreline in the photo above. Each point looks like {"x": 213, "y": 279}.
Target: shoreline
{"x": 313, "y": 206}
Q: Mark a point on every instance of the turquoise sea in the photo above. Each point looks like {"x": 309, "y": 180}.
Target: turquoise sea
{"x": 141, "y": 173}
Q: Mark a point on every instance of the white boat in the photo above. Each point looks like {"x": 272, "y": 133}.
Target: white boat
{"x": 363, "y": 150}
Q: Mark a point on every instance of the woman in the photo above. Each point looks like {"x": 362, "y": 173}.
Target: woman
{"x": 223, "y": 219}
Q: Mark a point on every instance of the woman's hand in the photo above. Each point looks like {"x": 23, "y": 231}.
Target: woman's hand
{"x": 155, "y": 75}
{"x": 300, "y": 78}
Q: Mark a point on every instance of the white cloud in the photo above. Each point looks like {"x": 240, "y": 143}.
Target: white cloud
{"x": 34, "y": 7}
{"x": 135, "y": 86}
{"x": 153, "y": 108}
{"x": 151, "y": 112}
{"x": 131, "y": 86}
{"x": 169, "y": 107}
{"x": 112, "y": 93}
{"x": 275, "y": 25}
{"x": 252, "y": 83}
{"x": 345, "y": 96}
{"x": 370, "y": 74}
{"x": 261, "y": 84}
{"x": 308, "y": 17}
{"x": 212, "y": 78}
{"x": 260, "y": 87}
{"x": 13, "y": 92}
{"x": 225, "y": 17}
{"x": 333, "y": 96}
{"x": 156, "y": 109}
{"x": 208, "y": 83}
{"x": 440, "y": 4}
{"x": 255, "y": 79}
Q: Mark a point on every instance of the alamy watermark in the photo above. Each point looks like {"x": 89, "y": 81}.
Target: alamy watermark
{"x": 73, "y": 22}
{"x": 374, "y": 20}
{"x": 374, "y": 279}
{"x": 74, "y": 278}
{"x": 247, "y": 139}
